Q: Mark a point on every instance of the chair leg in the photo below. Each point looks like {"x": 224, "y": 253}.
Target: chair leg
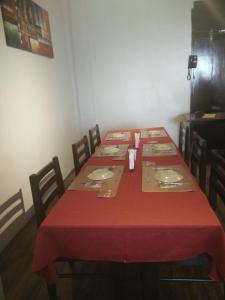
{"x": 52, "y": 295}
{"x": 224, "y": 291}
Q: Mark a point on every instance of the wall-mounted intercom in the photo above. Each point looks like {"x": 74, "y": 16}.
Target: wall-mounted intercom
{"x": 192, "y": 64}
{"x": 192, "y": 61}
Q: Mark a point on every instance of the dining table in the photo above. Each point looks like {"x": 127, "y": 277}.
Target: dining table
{"x": 132, "y": 226}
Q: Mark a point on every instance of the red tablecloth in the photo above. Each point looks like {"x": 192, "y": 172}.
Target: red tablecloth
{"x": 133, "y": 227}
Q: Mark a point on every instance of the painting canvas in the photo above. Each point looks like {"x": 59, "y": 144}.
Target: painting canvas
{"x": 26, "y": 26}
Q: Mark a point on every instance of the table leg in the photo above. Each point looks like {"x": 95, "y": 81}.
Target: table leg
{"x": 150, "y": 281}
{"x": 224, "y": 290}
{"x": 52, "y": 294}
{"x": 128, "y": 283}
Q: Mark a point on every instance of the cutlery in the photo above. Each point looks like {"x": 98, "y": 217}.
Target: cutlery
{"x": 93, "y": 184}
{"x": 105, "y": 193}
{"x": 170, "y": 184}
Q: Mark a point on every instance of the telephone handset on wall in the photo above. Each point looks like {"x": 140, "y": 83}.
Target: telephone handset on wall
{"x": 192, "y": 64}
{"x": 192, "y": 61}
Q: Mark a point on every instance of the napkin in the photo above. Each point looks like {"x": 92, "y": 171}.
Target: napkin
{"x": 209, "y": 116}
{"x": 136, "y": 139}
{"x": 132, "y": 158}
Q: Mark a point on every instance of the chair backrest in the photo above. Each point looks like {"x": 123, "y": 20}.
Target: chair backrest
{"x": 46, "y": 186}
{"x": 198, "y": 159}
{"x": 11, "y": 218}
{"x": 81, "y": 153}
{"x": 217, "y": 177}
{"x": 95, "y": 139}
{"x": 184, "y": 141}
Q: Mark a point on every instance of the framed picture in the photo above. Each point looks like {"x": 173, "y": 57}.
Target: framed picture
{"x": 27, "y": 27}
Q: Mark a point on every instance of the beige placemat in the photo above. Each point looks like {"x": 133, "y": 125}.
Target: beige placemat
{"x": 150, "y": 184}
{"x": 99, "y": 151}
{"x": 153, "y": 133}
{"x": 125, "y": 137}
{"x": 151, "y": 150}
{"x": 107, "y": 188}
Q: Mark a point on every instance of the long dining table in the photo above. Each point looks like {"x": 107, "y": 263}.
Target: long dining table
{"x": 134, "y": 226}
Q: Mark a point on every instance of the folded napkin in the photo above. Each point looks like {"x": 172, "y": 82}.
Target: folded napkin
{"x": 132, "y": 158}
{"x": 209, "y": 116}
{"x": 137, "y": 139}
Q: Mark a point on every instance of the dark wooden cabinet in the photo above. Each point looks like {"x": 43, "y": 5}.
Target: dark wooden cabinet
{"x": 211, "y": 129}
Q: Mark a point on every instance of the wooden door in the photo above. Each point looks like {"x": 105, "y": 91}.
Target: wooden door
{"x": 208, "y": 43}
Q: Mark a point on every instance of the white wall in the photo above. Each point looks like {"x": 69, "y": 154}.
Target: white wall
{"x": 125, "y": 66}
{"x": 39, "y": 115}
{"x": 131, "y": 62}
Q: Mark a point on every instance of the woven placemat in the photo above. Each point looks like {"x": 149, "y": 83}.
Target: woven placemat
{"x": 151, "y": 150}
{"x": 125, "y": 137}
{"x": 153, "y": 133}
{"x": 107, "y": 188}
{"x": 99, "y": 151}
{"x": 150, "y": 184}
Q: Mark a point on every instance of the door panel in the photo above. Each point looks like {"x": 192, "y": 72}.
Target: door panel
{"x": 208, "y": 42}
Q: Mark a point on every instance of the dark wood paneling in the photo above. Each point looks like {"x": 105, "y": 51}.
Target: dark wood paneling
{"x": 208, "y": 43}
{"x": 208, "y": 14}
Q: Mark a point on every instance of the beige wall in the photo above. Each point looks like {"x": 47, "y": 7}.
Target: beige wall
{"x": 38, "y": 110}
{"x": 131, "y": 61}
{"x": 119, "y": 63}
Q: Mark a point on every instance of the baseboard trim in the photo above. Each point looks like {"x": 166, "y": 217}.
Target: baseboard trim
{"x": 69, "y": 178}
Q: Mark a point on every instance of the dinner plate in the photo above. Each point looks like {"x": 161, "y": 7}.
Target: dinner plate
{"x": 117, "y": 135}
{"x": 168, "y": 176}
{"x": 110, "y": 149}
{"x": 162, "y": 147}
{"x": 100, "y": 174}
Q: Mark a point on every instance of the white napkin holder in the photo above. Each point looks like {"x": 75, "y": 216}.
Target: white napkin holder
{"x": 137, "y": 139}
{"x": 132, "y": 158}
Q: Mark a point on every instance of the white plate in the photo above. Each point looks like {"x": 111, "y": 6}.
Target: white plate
{"x": 110, "y": 149}
{"x": 168, "y": 176}
{"x": 117, "y": 135}
{"x": 162, "y": 147}
{"x": 101, "y": 174}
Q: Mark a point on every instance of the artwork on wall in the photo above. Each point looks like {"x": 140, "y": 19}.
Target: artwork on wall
{"x": 26, "y": 26}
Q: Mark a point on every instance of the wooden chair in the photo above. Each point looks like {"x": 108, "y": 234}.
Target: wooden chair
{"x": 184, "y": 141}
{"x": 46, "y": 186}
{"x": 198, "y": 159}
{"x": 2, "y": 297}
{"x": 217, "y": 177}
{"x": 95, "y": 139}
{"x": 81, "y": 153}
{"x": 11, "y": 218}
